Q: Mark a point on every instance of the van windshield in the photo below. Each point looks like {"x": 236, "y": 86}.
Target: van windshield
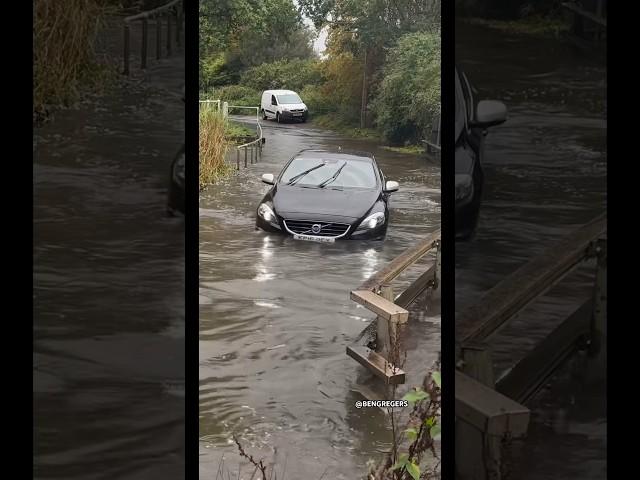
{"x": 288, "y": 99}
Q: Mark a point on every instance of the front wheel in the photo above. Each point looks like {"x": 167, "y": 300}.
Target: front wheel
{"x": 264, "y": 114}
{"x": 278, "y": 117}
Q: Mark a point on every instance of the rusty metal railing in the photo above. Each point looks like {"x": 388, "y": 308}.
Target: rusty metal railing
{"x": 171, "y": 12}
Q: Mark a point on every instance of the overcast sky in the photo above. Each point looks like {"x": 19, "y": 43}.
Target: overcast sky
{"x": 319, "y": 45}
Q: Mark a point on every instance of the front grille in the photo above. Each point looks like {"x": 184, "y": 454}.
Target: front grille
{"x": 304, "y": 227}
{"x": 298, "y": 110}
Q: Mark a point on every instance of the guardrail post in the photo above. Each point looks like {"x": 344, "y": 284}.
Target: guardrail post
{"x": 383, "y": 327}
{"x": 169, "y": 39}
{"x": 158, "y": 37}
{"x": 127, "y": 46}
{"x": 143, "y": 55}
{"x": 225, "y": 109}
{"x": 237, "y": 159}
{"x": 179, "y": 26}
{"x": 478, "y": 363}
{"x": 245, "y": 157}
{"x": 599, "y": 317}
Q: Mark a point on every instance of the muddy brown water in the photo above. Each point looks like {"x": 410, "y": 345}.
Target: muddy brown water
{"x": 109, "y": 286}
{"x": 275, "y": 319}
{"x": 545, "y": 175}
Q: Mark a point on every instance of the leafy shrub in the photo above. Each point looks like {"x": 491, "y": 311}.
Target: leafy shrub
{"x": 236, "y": 95}
{"x": 215, "y": 71}
{"x": 316, "y": 100}
{"x": 409, "y": 95}
{"x": 285, "y": 74}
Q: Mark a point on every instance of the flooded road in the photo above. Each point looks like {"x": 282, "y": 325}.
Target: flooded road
{"x": 275, "y": 319}
{"x": 109, "y": 287}
{"x": 545, "y": 175}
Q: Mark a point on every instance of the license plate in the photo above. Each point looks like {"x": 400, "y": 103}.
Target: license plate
{"x": 297, "y": 114}
{"x": 313, "y": 238}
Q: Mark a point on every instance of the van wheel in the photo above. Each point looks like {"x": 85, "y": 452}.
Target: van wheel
{"x": 278, "y": 117}
{"x": 264, "y": 114}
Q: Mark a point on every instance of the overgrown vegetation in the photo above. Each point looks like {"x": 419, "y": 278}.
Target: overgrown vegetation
{"x": 530, "y": 17}
{"x": 213, "y": 146}
{"x": 380, "y": 71}
{"x": 217, "y": 136}
{"x": 409, "y": 95}
{"x": 413, "y": 454}
{"x": 64, "y": 62}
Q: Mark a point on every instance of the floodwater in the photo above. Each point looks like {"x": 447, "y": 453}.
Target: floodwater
{"x": 545, "y": 175}
{"x": 109, "y": 287}
{"x": 275, "y": 320}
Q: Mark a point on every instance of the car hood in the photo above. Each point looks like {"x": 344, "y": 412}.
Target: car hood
{"x": 322, "y": 203}
{"x": 294, "y": 106}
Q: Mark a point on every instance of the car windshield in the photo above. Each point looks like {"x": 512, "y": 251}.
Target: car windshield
{"x": 460, "y": 108}
{"x": 288, "y": 99}
{"x": 330, "y": 173}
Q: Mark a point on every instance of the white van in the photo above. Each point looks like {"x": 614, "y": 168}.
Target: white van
{"x": 282, "y": 105}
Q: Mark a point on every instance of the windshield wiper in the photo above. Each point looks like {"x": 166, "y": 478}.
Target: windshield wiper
{"x": 333, "y": 177}
{"x": 297, "y": 177}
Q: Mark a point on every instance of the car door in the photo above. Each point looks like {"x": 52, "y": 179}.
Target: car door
{"x": 273, "y": 106}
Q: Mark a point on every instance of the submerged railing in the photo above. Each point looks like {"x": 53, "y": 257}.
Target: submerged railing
{"x": 378, "y": 295}
{"x": 490, "y": 411}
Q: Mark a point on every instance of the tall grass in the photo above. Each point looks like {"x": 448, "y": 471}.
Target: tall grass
{"x": 64, "y": 33}
{"x": 213, "y": 146}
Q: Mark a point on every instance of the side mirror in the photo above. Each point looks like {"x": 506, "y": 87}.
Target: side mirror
{"x": 391, "y": 186}
{"x": 268, "y": 178}
{"x": 489, "y": 114}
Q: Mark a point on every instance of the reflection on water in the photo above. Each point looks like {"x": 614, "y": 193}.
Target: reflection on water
{"x": 545, "y": 174}
{"x": 275, "y": 319}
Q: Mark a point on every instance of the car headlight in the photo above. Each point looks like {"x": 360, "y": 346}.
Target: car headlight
{"x": 464, "y": 187}
{"x": 266, "y": 213}
{"x": 178, "y": 170}
{"x": 372, "y": 221}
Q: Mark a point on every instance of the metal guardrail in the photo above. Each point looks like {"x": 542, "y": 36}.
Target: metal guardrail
{"x": 158, "y": 14}
{"x": 252, "y": 150}
{"x": 377, "y": 295}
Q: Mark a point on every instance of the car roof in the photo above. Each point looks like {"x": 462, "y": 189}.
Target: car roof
{"x": 337, "y": 154}
{"x": 279, "y": 92}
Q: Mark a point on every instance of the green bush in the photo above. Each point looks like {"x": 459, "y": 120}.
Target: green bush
{"x": 235, "y": 95}
{"x": 409, "y": 95}
{"x": 215, "y": 71}
{"x": 285, "y": 74}
{"x": 317, "y": 101}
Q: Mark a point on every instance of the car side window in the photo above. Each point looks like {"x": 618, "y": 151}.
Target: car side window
{"x": 273, "y": 100}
